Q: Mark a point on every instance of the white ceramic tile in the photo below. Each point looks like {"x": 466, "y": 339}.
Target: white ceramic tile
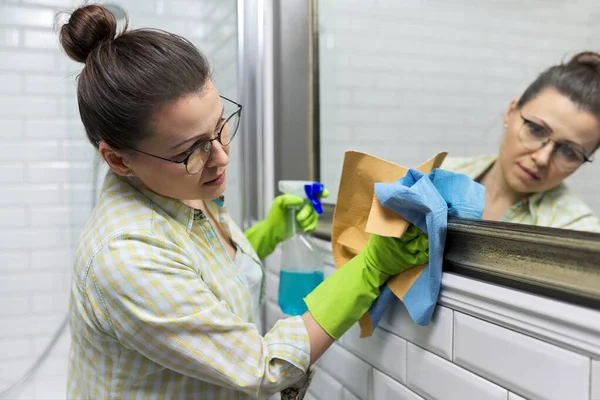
{"x": 13, "y": 261}
{"x": 272, "y": 286}
{"x": 60, "y": 348}
{"x": 348, "y": 395}
{"x": 512, "y": 396}
{"x": 10, "y": 83}
{"x": 348, "y": 369}
{"x": 53, "y": 3}
{"x": 51, "y": 128}
{"x": 42, "y": 302}
{"x": 49, "y": 216}
{"x": 9, "y": 37}
{"x": 12, "y": 217}
{"x": 80, "y": 150}
{"x": 21, "y": 61}
{"x": 273, "y": 314}
{"x": 13, "y": 172}
{"x": 508, "y": 358}
{"x": 11, "y": 370}
{"x": 33, "y": 281}
{"x": 29, "y": 16}
{"x": 188, "y": 8}
{"x": 436, "y": 337}
{"x": 52, "y": 389}
{"x": 15, "y": 348}
{"x": 77, "y": 194}
{"x": 13, "y": 304}
{"x": 59, "y": 172}
{"x": 30, "y": 194}
{"x": 595, "y": 380}
{"x": 26, "y": 151}
{"x": 16, "y": 239}
{"x": 433, "y": 377}
{"x": 324, "y": 386}
{"x": 11, "y": 127}
{"x": 24, "y": 106}
{"x": 25, "y": 392}
{"x": 50, "y": 84}
{"x": 51, "y": 259}
{"x": 41, "y": 39}
{"x": 56, "y": 366}
{"x": 16, "y": 327}
{"x": 384, "y": 350}
{"x": 385, "y": 388}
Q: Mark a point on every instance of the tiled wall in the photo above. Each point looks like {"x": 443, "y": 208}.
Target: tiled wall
{"x": 46, "y": 166}
{"x": 456, "y": 357}
{"x": 406, "y": 79}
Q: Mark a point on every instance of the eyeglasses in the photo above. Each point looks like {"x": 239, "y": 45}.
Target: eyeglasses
{"x": 565, "y": 156}
{"x": 197, "y": 156}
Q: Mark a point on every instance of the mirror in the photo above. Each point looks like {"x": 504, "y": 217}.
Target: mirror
{"x": 404, "y": 80}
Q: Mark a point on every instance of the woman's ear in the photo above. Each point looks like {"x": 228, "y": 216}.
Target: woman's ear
{"x": 512, "y": 107}
{"x": 117, "y": 161}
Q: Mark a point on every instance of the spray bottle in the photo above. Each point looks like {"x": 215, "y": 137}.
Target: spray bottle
{"x": 301, "y": 263}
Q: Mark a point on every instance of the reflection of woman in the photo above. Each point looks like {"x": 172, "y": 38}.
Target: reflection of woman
{"x": 550, "y": 131}
{"x": 166, "y": 288}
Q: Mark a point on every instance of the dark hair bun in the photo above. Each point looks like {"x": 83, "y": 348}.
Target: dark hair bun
{"x": 87, "y": 27}
{"x": 587, "y": 59}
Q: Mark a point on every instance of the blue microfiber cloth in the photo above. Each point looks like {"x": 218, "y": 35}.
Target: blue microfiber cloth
{"x": 427, "y": 201}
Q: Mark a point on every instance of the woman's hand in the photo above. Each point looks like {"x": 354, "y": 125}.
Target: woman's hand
{"x": 344, "y": 297}
{"x": 267, "y": 234}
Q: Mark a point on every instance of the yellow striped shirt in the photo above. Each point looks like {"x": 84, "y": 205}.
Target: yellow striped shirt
{"x": 556, "y": 208}
{"x": 158, "y": 309}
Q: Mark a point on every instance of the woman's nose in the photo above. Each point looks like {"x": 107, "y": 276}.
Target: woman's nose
{"x": 218, "y": 156}
{"x": 542, "y": 155}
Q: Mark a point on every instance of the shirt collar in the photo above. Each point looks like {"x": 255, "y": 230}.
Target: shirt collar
{"x": 174, "y": 208}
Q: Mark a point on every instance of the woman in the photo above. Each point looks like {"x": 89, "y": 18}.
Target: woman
{"x": 549, "y": 132}
{"x": 166, "y": 288}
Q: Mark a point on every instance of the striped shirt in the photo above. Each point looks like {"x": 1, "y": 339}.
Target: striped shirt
{"x": 556, "y": 208}
{"x": 158, "y": 308}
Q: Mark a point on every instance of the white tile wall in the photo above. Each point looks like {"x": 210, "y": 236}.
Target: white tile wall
{"x": 436, "y": 378}
{"x": 405, "y": 79}
{"x": 385, "y": 388}
{"x": 502, "y": 355}
{"x": 325, "y": 387}
{"x": 436, "y": 337}
{"x": 348, "y": 369}
{"x": 512, "y": 396}
{"x": 46, "y": 167}
{"x": 595, "y": 380}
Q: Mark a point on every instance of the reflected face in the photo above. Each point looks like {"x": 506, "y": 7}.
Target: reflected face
{"x": 530, "y": 166}
{"x": 178, "y": 126}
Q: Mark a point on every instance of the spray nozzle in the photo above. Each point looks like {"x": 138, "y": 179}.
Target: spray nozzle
{"x": 308, "y": 190}
{"x": 312, "y": 192}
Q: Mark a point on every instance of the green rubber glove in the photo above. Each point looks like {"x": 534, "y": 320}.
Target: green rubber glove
{"x": 267, "y": 234}
{"x": 343, "y": 298}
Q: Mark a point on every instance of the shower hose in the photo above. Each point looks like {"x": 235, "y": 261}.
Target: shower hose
{"x": 28, "y": 375}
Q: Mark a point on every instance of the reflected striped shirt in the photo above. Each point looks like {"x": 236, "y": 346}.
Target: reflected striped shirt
{"x": 158, "y": 308}
{"x": 555, "y": 208}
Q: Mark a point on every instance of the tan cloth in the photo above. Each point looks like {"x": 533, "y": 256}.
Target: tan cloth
{"x": 358, "y": 213}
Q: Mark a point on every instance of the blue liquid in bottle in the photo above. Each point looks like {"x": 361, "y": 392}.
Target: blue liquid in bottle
{"x": 293, "y": 287}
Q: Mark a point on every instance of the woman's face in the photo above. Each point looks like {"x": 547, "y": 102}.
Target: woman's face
{"x": 528, "y": 170}
{"x": 176, "y": 128}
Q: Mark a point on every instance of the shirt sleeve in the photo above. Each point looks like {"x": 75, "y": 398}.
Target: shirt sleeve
{"x": 587, "y": 222}
{"x": 160, "y": 307}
